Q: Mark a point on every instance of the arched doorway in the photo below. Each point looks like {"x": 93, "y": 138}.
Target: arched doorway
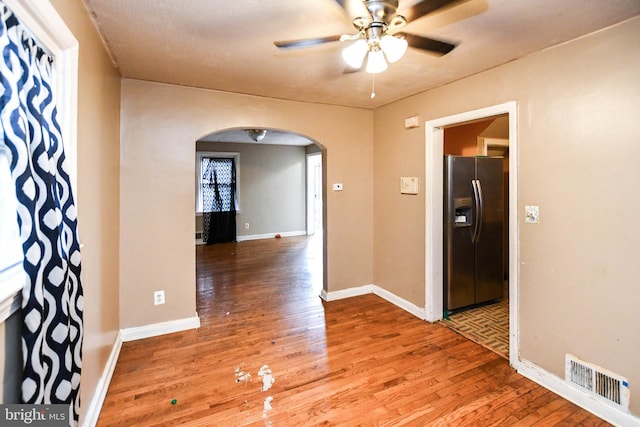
{"x": 280, "y": 192}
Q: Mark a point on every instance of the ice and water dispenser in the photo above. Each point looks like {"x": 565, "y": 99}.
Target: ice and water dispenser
{"x": 462, "y": 212}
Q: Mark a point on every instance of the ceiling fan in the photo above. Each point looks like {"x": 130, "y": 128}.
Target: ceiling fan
{"x": 377, "y": 23}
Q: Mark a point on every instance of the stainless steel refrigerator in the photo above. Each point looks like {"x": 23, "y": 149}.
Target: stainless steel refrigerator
{"x": 473, "y": 220}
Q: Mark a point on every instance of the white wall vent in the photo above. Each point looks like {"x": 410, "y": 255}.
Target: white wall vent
{"x": 599, "y": 382}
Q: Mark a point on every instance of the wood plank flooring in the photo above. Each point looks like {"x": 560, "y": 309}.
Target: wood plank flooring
{"x": 355, "y": 362}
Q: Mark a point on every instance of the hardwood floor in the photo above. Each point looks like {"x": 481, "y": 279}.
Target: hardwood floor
{"x": 358, "y": 361}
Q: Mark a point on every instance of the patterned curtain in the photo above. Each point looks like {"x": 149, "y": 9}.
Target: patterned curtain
{"x": 218, "y": 200}
{"x": 52, "y": 297}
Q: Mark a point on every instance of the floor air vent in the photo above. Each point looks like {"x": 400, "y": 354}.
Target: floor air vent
{"x": 606, "y": 385}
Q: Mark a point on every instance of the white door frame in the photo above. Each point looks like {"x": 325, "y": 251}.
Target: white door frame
{"x": 434, "y": 130}
{"x": 311, "y": 187}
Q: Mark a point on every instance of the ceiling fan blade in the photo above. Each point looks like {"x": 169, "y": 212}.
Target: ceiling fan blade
{"x": 435, "y": 47}
{"x": 286, "y": 44}
{"x": 425, "y": 7}
{"x": 354, "y": 8}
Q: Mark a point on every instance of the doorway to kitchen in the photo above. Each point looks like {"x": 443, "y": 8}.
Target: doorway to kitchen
{"x": 476, "y": 290}
{"x": 434, "y": 272}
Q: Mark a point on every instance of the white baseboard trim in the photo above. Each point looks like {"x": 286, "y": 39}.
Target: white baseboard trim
{"x": 270, "y": 235}
{"x": 407, "y": 306}
{"x": 346, "y": 293}
{"x": 95, "y": 406}
{"x": 377, "y": 290}
{"x": 153, "y": 330}
{"x": 589, "y": 403}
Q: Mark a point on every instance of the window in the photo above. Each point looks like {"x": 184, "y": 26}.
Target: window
{"x": 12, "y": 276}
{"x": 206, "y": 163}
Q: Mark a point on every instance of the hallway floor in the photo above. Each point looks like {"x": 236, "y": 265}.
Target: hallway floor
{"x": 270, "y": 352}
{"x": 487, "y": 325}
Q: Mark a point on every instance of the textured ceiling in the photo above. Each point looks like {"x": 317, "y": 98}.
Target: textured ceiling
{"x": 228, "y": 45}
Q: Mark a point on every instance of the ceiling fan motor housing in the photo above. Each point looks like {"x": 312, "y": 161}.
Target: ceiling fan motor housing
{"x": 375, "y": 32}
{"x": 382, "y": 10}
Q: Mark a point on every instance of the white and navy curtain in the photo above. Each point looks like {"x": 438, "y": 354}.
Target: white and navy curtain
{"x": 46, "y": 216}
{"x": 218, "y": 200}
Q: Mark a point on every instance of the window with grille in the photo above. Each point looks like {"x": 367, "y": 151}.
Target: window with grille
{"x": 12, "y": 277}
{"x": 220, "y": 168}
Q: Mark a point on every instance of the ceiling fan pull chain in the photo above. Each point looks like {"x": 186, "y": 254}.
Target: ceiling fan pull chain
{"x": 373, "y": 86}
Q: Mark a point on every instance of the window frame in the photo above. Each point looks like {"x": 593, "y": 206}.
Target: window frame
{"x": 12, "y": 276}
{"x": 221, "y": 155}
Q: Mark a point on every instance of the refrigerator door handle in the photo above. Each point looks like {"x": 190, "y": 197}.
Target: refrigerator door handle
{"x": 478, "y": 202}
{"x": 481, "y": 204}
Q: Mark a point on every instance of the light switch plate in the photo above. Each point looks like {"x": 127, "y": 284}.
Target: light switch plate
{"x": 409, "y": 184}
{"x": 532, "y": 214}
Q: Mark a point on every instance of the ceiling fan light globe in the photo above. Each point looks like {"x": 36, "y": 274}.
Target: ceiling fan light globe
{"x": 393, "y": 47}
{"x": 376, "y": 62}
{"x": 354, "y": 54}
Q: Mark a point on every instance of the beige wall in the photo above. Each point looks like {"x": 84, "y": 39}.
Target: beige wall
{"x": 97, "y": 192}
{"x": 578, "y": 134}
{"x": 463, "y": 140}
{"x": 160, "y": 126}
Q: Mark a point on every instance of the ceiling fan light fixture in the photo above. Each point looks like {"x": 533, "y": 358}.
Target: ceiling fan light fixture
{"x": 393, "y": 47}
{"x": 354, "y": 54}
{"x": 376, "y": 62}
{"x": 256, "y": 134}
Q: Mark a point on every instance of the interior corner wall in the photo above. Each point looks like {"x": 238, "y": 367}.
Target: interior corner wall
{"x": 160, "y": 126}
{"x": 463, "y": 140}
{"x": 97, "y": 193}
{"x": 578, "y": 145}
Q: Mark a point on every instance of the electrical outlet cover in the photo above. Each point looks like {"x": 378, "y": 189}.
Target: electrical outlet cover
{"x": 158, "y": 297}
